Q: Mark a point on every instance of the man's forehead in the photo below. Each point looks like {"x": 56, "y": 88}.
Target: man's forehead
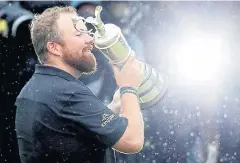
{"x": 66, "y": 18}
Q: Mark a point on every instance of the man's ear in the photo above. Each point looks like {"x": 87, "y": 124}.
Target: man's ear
{"x": 54, "y": 48}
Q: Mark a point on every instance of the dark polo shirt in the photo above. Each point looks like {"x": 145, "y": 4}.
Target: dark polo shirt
{"x": 58, "y": 119}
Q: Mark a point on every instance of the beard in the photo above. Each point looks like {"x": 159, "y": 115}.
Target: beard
{"x": 85, "y": 62}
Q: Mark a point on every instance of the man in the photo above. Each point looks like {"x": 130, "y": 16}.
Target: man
{"x": 58, "y": 119}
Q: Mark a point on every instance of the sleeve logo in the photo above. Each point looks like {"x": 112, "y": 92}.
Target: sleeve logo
{"x": 106, "y": 118}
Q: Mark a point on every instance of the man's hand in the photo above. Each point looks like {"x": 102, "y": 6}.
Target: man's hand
{"x": 116, "y": 104}
{"x": 131, "y": 74}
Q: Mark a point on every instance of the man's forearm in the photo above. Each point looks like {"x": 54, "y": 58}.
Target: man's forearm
{"x": 132, "y": 111}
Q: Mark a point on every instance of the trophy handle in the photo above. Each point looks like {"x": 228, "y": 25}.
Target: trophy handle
{"x": 97, "y": 14}
{"x": 97, "y": 21}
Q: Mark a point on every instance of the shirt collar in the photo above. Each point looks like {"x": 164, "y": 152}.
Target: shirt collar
{"x": 53, "y": 71}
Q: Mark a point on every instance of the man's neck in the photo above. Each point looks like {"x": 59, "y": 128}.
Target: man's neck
{"x": 74, "y": 72}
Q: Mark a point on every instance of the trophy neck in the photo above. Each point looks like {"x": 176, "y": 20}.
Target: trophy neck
{"x": 101, "y": 29}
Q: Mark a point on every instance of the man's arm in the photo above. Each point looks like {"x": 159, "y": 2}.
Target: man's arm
{"x": 84, "y": 110}
{"x": 129, "y": 78}
{"x": 121, "y": 132}
{"x": 131, "y": 141}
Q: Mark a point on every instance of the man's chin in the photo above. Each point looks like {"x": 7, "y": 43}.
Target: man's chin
{"x": 93, "y": 68}
{"x": 93, "y": 71}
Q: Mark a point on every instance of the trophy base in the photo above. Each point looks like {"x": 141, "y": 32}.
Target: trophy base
{"x": 153, "y": 88}
{"x": 156, "y": 100}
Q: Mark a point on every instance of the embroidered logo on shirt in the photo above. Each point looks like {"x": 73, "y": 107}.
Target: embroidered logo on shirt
{"x": 106, "y": 118}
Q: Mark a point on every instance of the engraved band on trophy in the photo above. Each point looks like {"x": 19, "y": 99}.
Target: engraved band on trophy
{"x": 111, "y": 42}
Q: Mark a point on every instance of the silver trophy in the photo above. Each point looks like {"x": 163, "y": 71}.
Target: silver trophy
{"x": 111, "y": 42}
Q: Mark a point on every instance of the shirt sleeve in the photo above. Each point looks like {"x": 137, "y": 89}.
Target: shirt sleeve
{"x": 86, "y": 110}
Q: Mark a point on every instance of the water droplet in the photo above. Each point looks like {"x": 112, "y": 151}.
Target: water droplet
{"x": 225, "y": 115}
{"x": 192, "y": 134}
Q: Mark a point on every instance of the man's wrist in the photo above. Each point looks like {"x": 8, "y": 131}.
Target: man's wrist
{"x": 128, "y": 89}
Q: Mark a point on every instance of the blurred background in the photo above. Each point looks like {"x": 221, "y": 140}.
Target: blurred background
{"x": 195, "y": 45}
